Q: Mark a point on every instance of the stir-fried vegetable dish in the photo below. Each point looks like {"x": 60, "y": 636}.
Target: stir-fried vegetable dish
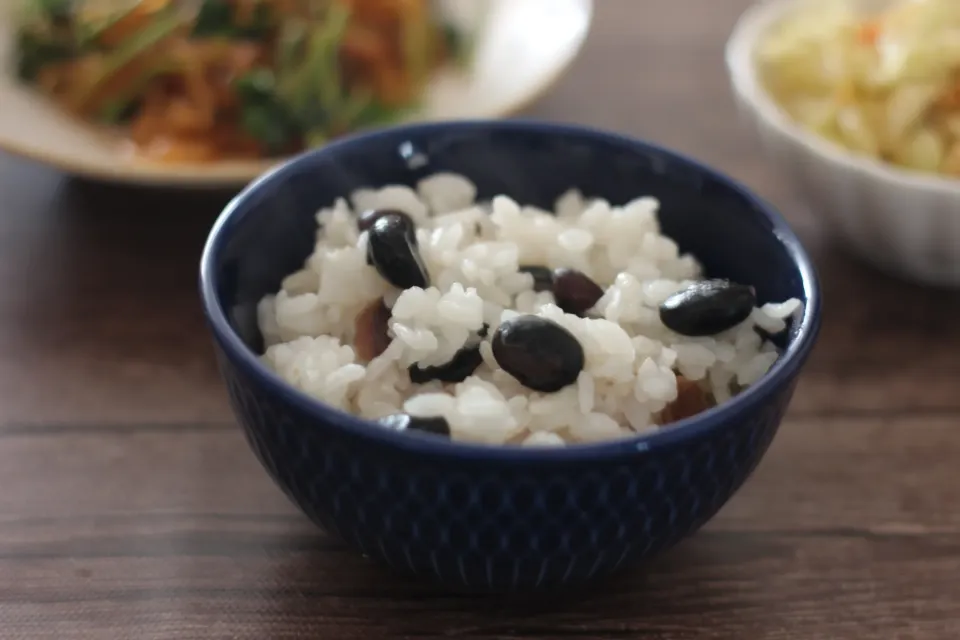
{"x": 207, "y": 80}
{"x": 885, "y": 84}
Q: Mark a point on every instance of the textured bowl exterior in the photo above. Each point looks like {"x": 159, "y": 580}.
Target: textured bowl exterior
{"x": 904, "y": 223}
{"x": 484, "y": 518}
{"x": 499, "y": 525}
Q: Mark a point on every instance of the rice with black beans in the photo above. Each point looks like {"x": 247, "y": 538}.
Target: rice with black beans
{"x": 473, "y": 253}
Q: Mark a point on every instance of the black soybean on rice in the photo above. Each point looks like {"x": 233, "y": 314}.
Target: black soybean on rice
{"x": 631, "y": 320}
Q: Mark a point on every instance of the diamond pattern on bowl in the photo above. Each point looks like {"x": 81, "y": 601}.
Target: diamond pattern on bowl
{"x": 498, "y": 526}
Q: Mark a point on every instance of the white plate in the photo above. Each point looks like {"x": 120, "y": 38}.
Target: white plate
{"x": 523, "y": 46}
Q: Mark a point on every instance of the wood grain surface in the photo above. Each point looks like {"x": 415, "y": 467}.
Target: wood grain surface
{"x": 131, "y": 508}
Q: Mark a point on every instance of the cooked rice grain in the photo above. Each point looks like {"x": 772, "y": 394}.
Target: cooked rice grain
{"x": 473, "y": 251}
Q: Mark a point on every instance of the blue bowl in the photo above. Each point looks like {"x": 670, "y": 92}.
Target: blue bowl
{"x": 484, "y": 518}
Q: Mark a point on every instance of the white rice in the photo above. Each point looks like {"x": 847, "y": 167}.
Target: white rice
{"x": 473, "y": 252}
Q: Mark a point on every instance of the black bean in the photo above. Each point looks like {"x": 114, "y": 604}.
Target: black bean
{"x": 404, "y": 422}
{"x": 367, "y": 219}
{"x": 574, "y": 291}
{"x": 538, "y": 352}
{"x": 463, "y": 364}
{"x": 542, "y": 277}
{"x": 708, "y": 307}
{"x": 395, "y": 254}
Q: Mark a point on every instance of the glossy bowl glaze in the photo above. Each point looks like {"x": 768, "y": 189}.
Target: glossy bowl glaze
{"x": 485, "y": 518}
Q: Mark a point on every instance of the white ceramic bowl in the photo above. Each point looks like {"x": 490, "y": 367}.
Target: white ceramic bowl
{"x": 522, "y": 48}
{"x": 905, "y": 223}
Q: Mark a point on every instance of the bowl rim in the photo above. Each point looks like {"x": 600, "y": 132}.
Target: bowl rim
{"x": 739, "y": 58}
{"x": 781, "y": 374}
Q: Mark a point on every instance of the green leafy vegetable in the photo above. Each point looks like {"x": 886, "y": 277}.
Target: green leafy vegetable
{"x": 35, "y": 51}
{"x": 90, "y": 30}
{"x": 309, "y": 79}
{"x": 291, "y": 44}
{"x": 263, "y": 116}
{"x": 118, "y": 111}
{"x": 123, "y": 106}
{"x": 458, "y": 44}
{"x": 57, "y": 12}
{"x": 165, "y": 24}
{"x": 415, "y": 40}
{"x": 305, "y": 98}
{"x": 44, "y": 36}
{"x": 297, "y": 101}
{"x": 217, "y": 18}
{"x": 374, "y": 114}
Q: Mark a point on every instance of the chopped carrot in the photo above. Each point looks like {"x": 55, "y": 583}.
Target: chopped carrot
{"x": 869, "y": 32}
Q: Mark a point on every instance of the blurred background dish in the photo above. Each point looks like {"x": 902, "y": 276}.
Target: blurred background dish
{"x": 154, "y": 122}
{"x": 857, "y": 108}
{"x": 883, "y": 83}
{"x": 214, "y": 80}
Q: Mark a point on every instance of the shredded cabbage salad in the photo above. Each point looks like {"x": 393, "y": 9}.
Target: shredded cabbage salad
{"x": 881, "y": 82}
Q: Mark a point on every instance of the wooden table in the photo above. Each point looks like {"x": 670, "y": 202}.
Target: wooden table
{"x": 131, "y": 508}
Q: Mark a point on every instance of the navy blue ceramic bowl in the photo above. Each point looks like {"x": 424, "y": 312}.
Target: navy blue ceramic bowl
{"x": 501, "y": 519}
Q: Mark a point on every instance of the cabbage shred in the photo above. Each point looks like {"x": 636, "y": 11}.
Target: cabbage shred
{"x": 884, "y": 83}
